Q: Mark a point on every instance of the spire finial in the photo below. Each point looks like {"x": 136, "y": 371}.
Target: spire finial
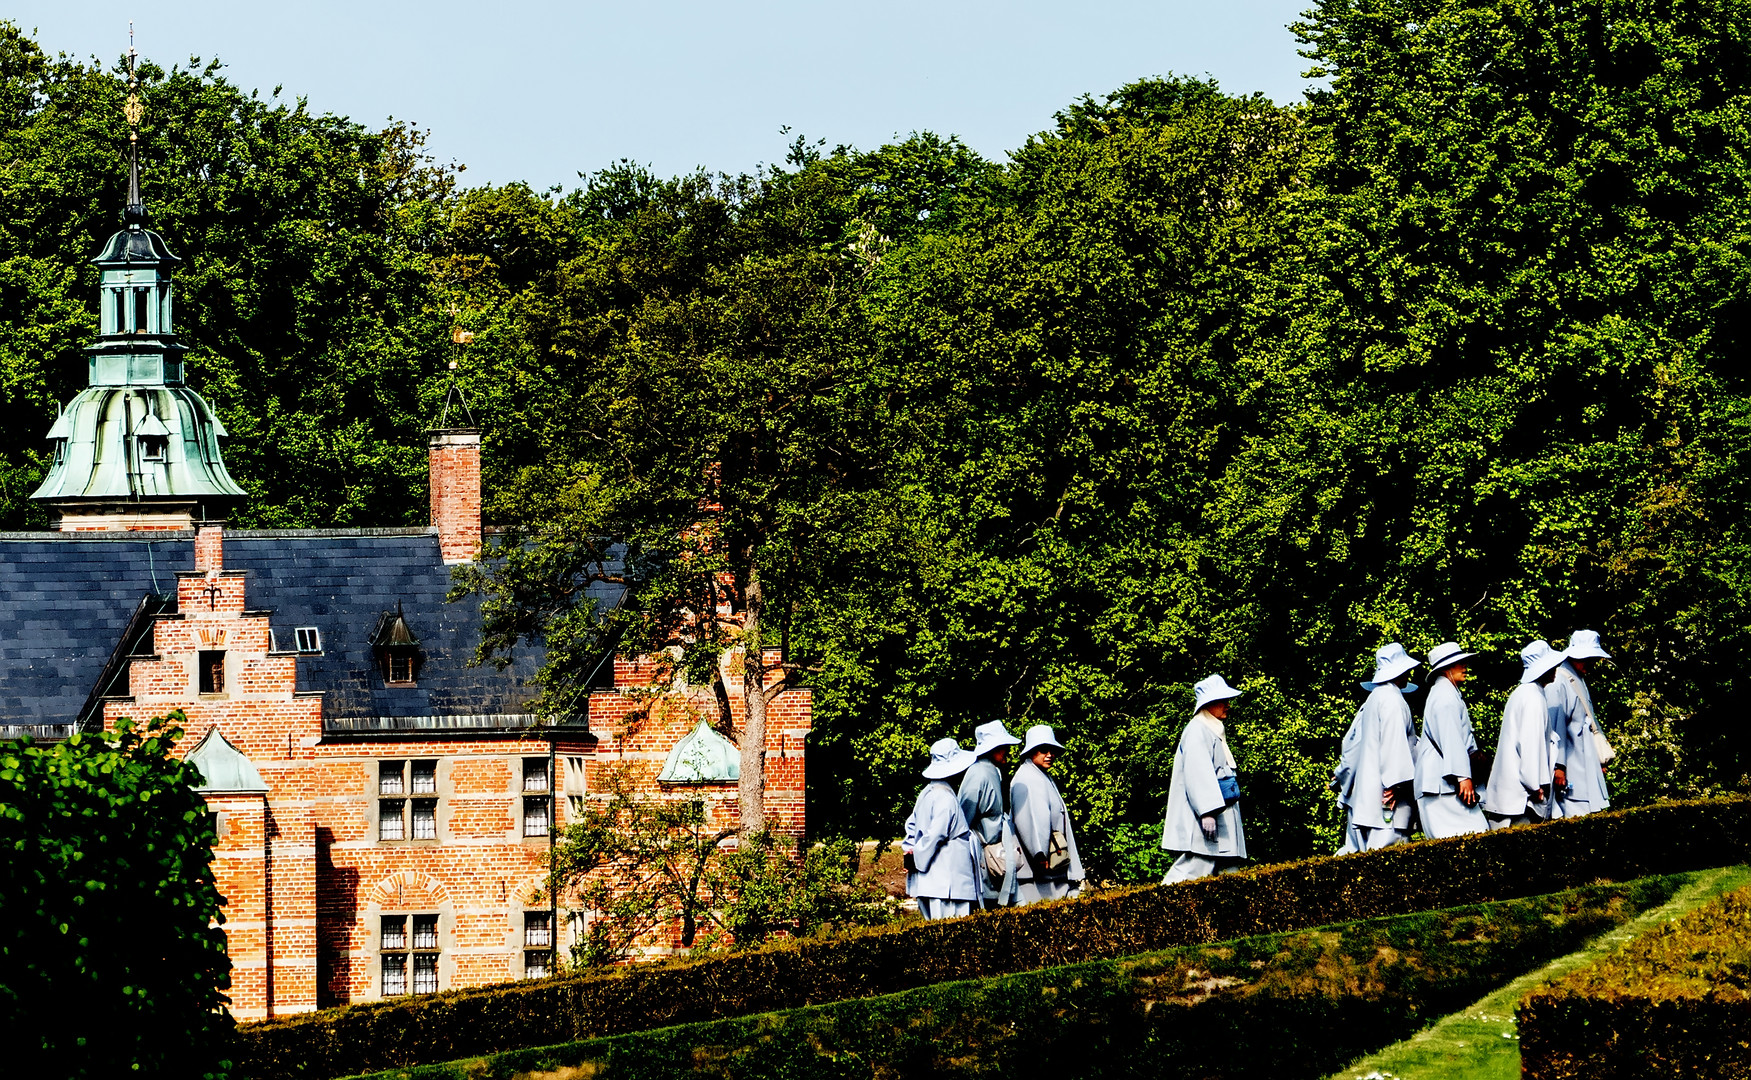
{"x": 133, "y": 110}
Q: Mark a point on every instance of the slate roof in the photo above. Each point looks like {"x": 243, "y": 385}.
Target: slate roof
{"x": 341, "y": 583}
{"x": 63, "y": 605}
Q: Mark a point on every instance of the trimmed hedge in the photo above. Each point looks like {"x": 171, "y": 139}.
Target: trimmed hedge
{"x": 1674, "y": 1002}
{"x": 1511, "y": 863}
{"x": 1285, "y": 1005}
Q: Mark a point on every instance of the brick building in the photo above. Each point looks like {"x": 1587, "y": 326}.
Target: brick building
{"x": 385, "y": 812}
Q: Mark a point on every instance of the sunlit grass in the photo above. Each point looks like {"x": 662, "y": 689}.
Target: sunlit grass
{"x": 1480, "y": 1042}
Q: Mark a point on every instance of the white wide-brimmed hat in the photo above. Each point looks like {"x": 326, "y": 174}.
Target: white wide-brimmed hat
{"x": 1214, "y": 688}
{"x": 988, "y": 737}
{"x": 1584, "y": 645}
{"x": 947, "y": 758}
{"x": 1447, "y": 654}
{"x": 1040, "y": 735}
{"x": 1390, "y": 662}
{"x": 1539, "y": 659}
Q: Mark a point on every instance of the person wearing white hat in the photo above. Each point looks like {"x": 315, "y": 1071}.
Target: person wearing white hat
{"x": 1050, "y": 868}
{"x": 1447, "y": 799}
{"x": 1585, "y": 753}
{"x": 1203, "y": 799}
{"x": 987, "y": 812}
{"x": 1520, "y": 784}
{"x": 1377, "y": 796}
{"x": 942, "y": 858}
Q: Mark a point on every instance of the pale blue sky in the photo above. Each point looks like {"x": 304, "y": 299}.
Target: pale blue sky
{"x": 540, "y": 91}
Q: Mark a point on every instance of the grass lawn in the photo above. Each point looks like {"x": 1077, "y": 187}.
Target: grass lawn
{"x": 1480, "y": 1043}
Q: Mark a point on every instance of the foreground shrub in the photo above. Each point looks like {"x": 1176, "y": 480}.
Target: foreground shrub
{"x": 1283, "y": 1005}
{"x": 1416, "y": 877}
{"x": 1674, "y": 1002}
{"x": 109, "y": 961}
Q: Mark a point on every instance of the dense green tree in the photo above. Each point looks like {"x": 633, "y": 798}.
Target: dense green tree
{"x": 111, "y": 962}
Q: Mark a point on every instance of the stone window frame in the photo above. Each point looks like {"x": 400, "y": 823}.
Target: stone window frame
{"x": 537, "y": 774}
{"x": 407, "y": 798}
{"x": 538, "y": 944}
{"x": 410, "y": 956}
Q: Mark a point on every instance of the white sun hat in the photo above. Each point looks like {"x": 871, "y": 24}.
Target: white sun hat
{"x": 1584, "y": 645}
{"x": 947, "y": 758}
{"x": 1040, "y": 735}
{"x": 1214, "y": 688}
{"x": 1389, "y": 663}
{"x": 1539, "y": 659}
{"x": 1446, "y": 655}
{"x": 988, "y": 737}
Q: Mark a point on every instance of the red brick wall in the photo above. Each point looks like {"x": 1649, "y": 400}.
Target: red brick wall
{"x": 305, "y": 876}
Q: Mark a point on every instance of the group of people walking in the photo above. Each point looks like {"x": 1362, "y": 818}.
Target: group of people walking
{"x": 966, "y": 846}
{"x": 1549, "y": 762}
{"x": 969, "y": 846}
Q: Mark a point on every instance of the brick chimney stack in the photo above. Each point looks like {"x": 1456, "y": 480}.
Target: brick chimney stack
{"x": 455, "y": 465}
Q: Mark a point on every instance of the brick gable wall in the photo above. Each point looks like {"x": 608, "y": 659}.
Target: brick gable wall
{"x": 306, "y": 877}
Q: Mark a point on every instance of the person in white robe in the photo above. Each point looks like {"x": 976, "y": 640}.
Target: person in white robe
{"x": 1585, "y": 749}
{"x": 1203, "y": 800}
{"x": 1343, "y": 777}
{"x": 1520, "y": 788}
{"x": 1378, "y": 799}
{"x": 1447, "y": 798}
{"x": 941, "y": 856}
{"x": 1051, "y": 868}
{"x": 987, "y": 812}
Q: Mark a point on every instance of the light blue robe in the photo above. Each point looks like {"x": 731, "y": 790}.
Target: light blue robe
{"x": 1201, "y": 759}
{"x": 1443, "y": 758}
{"x": 1038, "y": 810}
{"x": 942, "y": 847}
{"x": 981, "y": 798}
{"x": 1384, "y": 733}
{"x": 1343, "y": 779}
{"x": 1572, "y": 702}
{"x": 1523, "y": 756}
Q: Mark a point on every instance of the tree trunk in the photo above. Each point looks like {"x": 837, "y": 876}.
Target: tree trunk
{"x": 751, "y": 788}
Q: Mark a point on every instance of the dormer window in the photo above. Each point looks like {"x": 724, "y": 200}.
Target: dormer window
{"x": 153, "y": 447}
{"x": 60, "y": 451}
{"x": 397, "y": 650}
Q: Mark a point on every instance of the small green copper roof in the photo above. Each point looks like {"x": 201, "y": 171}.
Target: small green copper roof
{"x": 136, "y": 433}
{"x": 224, "y": 768}
{"x": 702, "y": 757}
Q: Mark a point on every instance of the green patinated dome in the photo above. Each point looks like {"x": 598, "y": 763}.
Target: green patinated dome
{"x": 136, "y": 434}
{"x": 224, "y": 768}
{"x": 702, "y": 757}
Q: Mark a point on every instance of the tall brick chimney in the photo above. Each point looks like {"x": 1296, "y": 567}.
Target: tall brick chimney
{"x": 455, "y": 464}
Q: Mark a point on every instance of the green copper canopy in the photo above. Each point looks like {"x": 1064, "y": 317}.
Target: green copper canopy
{"x": 136, "y": 435}
{"x": 702, "y": 757}
{"x": 224, "y": 768}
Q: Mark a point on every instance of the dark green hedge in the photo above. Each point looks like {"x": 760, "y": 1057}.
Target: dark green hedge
{"x": 1417, "y": 877}
{"x": 1675, "y": 1002}
{"x": 1286, "y": 1005}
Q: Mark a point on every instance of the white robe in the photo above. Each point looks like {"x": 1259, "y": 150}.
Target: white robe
{"x": 1444, "y": 758}
{"x": 942, "y": 847}
{"x": 1384, "y": 733}
{"x": 1576, "y": 723}
{"x": 1202, "y": 758}
{"x": 1523, "y": 756}
{"x": 1038, "y": 810}
{"x": 981, "y": 797}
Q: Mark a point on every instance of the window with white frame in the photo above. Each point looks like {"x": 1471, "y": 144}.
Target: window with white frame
{"x": 401, "y": 818}
{"x": 408, "y": 945}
